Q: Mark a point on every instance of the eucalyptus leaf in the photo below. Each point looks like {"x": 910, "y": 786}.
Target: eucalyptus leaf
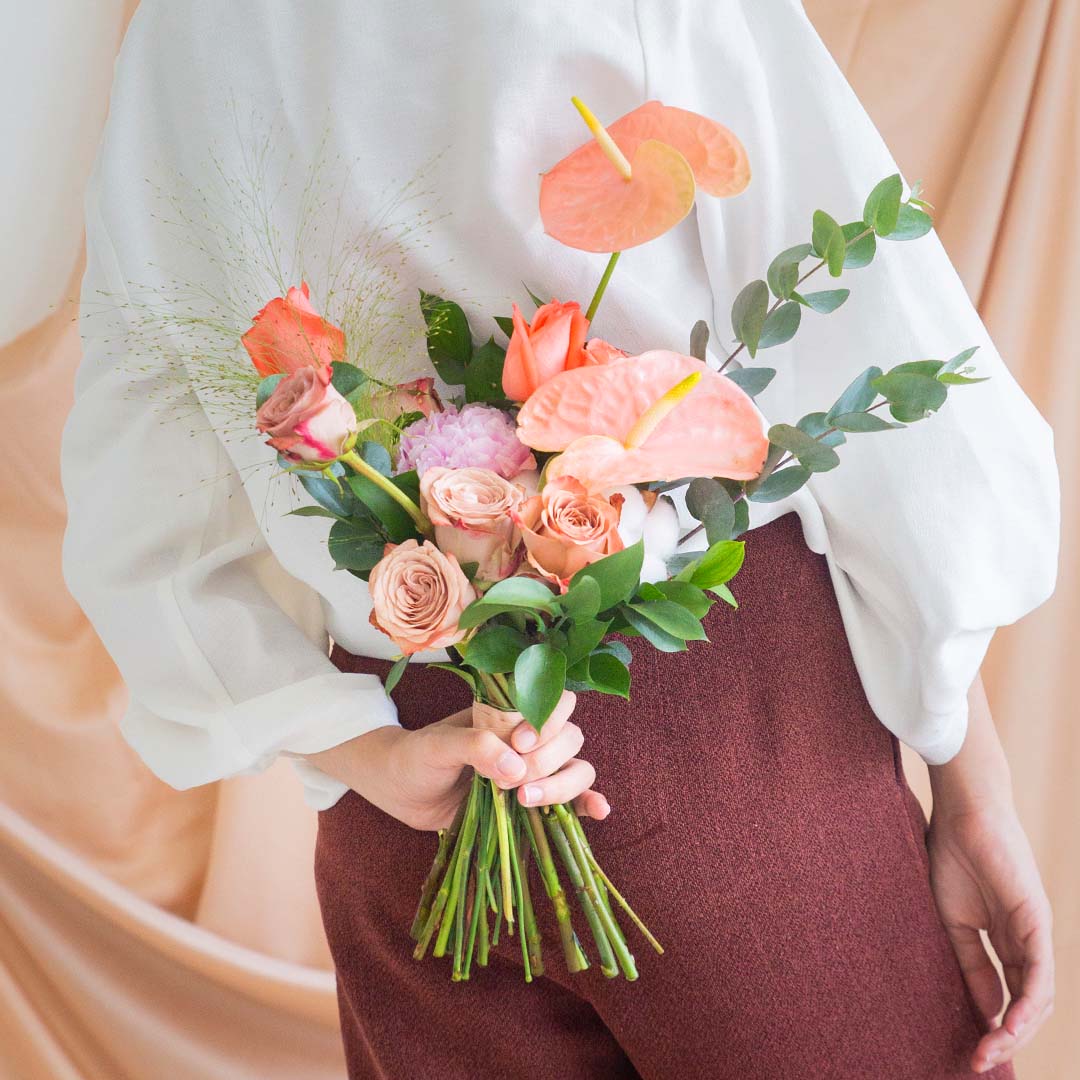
{"x": 748, "y": 314}
{"x": 781, "y": 326}
{"x": 742, "y": 518}
{"x": 709, "y": 502}
{"x": 860, "y": 253}
{"x": 751, "y": 380}
{"x": 331, "y": 494}
{"x": 816, "y": 426}
{"x": 959, "y": 360}
{"x": 953, "y": 379}
{"x": 783, "y": 272}
{"x": 812, "y": 453}
{"x": 882, "y": 207}
{"x": 859, "y": 395}
{"x": 781, "y": 484}
{"x": 911, "y": 396}
{"x": 919, "y": 367}
{"x": 829, "y": 242}
{"x": 912, "y": 224}
{"x": 377, "y": 456}
{"x": 826, "y": 301}
{"x": 346, "y": 378}
{"x": 539, "y": 679}
{"x": 699, "y": 339}
{"x": 863, "y": 422}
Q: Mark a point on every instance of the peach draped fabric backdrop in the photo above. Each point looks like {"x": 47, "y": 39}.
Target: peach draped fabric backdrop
{"x": 149, "y": 933}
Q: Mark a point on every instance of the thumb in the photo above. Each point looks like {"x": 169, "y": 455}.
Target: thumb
{"x": 979, "y": 972}
{"x": 483, "y": 750}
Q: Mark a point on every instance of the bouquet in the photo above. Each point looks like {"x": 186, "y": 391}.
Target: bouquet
{"x": 525, "y": 520}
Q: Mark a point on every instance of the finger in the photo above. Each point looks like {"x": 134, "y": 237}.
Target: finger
{"x": 593, "y": 805}
{"x": 978, "y": 970}
{"x": 567, "y": 784}
{"x": 455, "y": 747}
{"x": 552, "y": 756}
{"x": 526, "y": 738}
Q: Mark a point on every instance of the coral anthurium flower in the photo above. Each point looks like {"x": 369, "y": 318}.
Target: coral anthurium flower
{"x": 588, "y": 201}
{"x": 289, "y": 334}
{"x": 553, "y": 343}
{"x": 644, "y": 418}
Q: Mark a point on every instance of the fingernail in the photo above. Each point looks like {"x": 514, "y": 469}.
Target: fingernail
{"x": 531, "y": 794}
{"x": 509, "y": 764}
{"x": 526, "y": 739}
{"x": 605, "y": 807}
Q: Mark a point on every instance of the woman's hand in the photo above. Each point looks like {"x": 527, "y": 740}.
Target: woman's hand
{"x": 984, "y": 878}
{"x": 420, "y": 777}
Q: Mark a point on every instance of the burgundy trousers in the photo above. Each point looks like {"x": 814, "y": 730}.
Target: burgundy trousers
{"x": 762, "y": 827}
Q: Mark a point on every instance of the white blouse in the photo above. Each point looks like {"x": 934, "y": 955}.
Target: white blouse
{"x": 178, "y": 546}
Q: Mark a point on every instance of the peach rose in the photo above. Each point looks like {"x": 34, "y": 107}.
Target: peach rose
{"x": 417, "y": 596}
{"x": 553, "y": 343}
{"x": 599, "y": 351}
{"x": 472, "y": 511}
{"x": 419, "y": 396}
{"x": 306, "y": 418}
{"x": 566, "y": 527}
{"x": 289, "y": 334}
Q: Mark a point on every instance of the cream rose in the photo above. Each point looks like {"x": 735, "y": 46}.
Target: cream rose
{"x": 566, "y": 527}
{"x": 473, "y": 514}
{"x": 417, "y": 596}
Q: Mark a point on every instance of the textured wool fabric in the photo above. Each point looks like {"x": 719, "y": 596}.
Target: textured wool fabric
{"x": 761, "y": 826}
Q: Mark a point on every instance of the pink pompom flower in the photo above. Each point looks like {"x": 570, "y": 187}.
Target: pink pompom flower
{"x": 475, "y": 436}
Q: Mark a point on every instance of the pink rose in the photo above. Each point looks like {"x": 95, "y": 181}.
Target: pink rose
{"x": 566, "y": 527}
{"x": 552, "y": 344}
{"x": 306, "y": 418}
{"x": 289, "y": 334}
{"x": 599, "y": 351}
{"x": 417, "y": 595}
{"x": 472, "y": 511}
{"x": 419, "y": 396}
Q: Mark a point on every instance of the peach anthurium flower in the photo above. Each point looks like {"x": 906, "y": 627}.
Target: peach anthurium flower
{"x": 553, "y": 343}
{"x": 288, "y": 334}
{"x": 638, "y": 178}
{"x": 658, "y": 416}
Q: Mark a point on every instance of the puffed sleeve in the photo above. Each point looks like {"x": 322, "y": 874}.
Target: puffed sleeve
{"x": 164, "y": 553}
{"x": 936, "y": 534}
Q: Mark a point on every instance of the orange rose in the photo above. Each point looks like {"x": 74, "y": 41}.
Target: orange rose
{"x": 289, "y": 334}
{"x": 536, "y": 353}
{"x": 566, "y": 527}
{"x": 417, "y": 596}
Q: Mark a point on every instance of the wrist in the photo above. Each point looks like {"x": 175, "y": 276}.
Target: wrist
{"x": 965, "y": 786}
{"x": 349, "y": 761}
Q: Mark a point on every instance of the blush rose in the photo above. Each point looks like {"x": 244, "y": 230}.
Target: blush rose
{"x": 306, "y": 418}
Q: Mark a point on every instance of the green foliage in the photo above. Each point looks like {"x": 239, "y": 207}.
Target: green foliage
{"x": 861, "y": 422}
{"x": 539, "y": 680}
{"x": 483, "y": 376}
{"x": 860, "y": 251}
{"x": 377, "y": 456}
{"x": 582, "y": 599}
{"x": 882, "y": 208}
{"x": 752, "y": 380}
{"x": 449, "y": 342}
{"x": 522, "y": 594}
{"x": 395, "y": 521}
{"x": 347, "y": 378}
{"x": 826, "y": 302}
{"x": 911, "y": 396}
{"x": 859, "y": 395}
{"x": 912, "y": 224}
{"x": 505, "y": 324}
{"x": 495, "y": 649}
{"x": 817, "y": 427}
{"x": 583, "y": 636}
{"x": 829, "y": 243}
{"x": 781, "y": 325}
{"x": 330, "y": 494}
{"x": 717, "y": 566}
{"x": 395, "y": 674}
{"x": 355, "y": 544}
{"x": 709, "y": 502}
{"x": 748, "y": 314}
{"x": 812, "y": 453}
{"x": 780, "y": 484}
{"x": 266, "y": 387}
{"x": 783, "y": 272}
{"x": 617, "y": 575}
{"x": 699, "y": 339}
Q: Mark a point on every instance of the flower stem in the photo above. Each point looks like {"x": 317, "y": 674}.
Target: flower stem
{"x": 602, "y": 287}
{"x": 519, "y": 898}
{"x": 461, "y": 869}
{"x": 575, "y": 957}
{"x": 505, "y": 871}
{"x": 359, "y": 465}
{"x": 447, "y": 838}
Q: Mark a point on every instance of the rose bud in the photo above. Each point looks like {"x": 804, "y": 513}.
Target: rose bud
{"x": 553, "y": 343}
{"x": 472, "y": 511}
{"x": 566, "y": 527}
{"x": 418, "y": 396}
{"x": 417, "y": 596}
{"x": 306, "y": 418}
{"x": 289, "y": 334}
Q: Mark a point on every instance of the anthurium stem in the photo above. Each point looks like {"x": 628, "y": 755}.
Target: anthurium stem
{"x": 359, "y": 465}
{"x": 602, "y": 287}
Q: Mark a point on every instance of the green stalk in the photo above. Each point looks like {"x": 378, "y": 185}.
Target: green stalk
{"x": 530, "y": 928}
{"x": 474, "y": 905}
{"x": 592, "y": 916}
{"x": 502, "y": 829}
{"x": 359, "y": 465}
{"x": 607, "y": 919}
{"x": 519, "y": 898}
{"x": 437, "y": 909}
{"x": 447, "y": 837}
{"x": 572, "y": 951}
{"x": 602, "y": 287}
{"x": 461, "y": 870}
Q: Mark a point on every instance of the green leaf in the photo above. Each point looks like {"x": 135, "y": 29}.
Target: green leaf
{"x": 912, "y": 224}
{"x": 911, "y": 397}
{"x": 815, "y": 425}
{"x": 616, "y": 648}
{"x": 829, "y": 243}
{"x": 658, "y": 638}
{"x": 783, "y": 272}
{"x": 781, "y": 325}
{"x": 390, "y": 514}
{"x": 959, "y": 360}
{"x": 617, "y": 575}
{"x": 742, "y": 518}
{"x": 609, "y": 675}
{"x": 505, "y": 324}
{"x": 449, "y": 342}
{"x": 522, "y": 592}
{"x": 483, "y": 376}
{"x": 331, "y": 494}
{"x": 709, "y": 502}
{"x": 315, "y": 511}
{"x": 919, "y": 367}
{"x": 860, "y": 253}
{"x": 859, "y": 395}
{"x": 725, "y": 594}
{"x": 583, "y": 637}
{"x": 354, "y": 545}
{"x": 699, "y": 339}
{"x": 395, "y": 674}
{"x": 539, "y": 680}
{"x": 686, "y": 595}
{"x": 582, "y": 599}
{"x": 826, "y": 301}
{"x": 751, "y": 380}
{"x": 748, "y": 314}
{"x": 781, "y": 484}
{"x": 952, "y": 379}
{"x": 537, "y": 302}
{"x": 346, "y": 378}
{"x": 495, "y": 649}
{"x": 862, "y": 422}
{"x": 882, "y": 207}
{"x": 815, "y": 455}
{"x": 719, "y": 564}
{"x": 377, "y": 456}
{"x": 266, "y": 387}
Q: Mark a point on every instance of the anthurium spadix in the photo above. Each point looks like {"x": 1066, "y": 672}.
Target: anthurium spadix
{"x": 638, "y": 177}
{"x": 658, "y": 416}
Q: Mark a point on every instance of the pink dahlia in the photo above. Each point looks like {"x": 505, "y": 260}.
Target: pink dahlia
{"x": 473, "y": 437}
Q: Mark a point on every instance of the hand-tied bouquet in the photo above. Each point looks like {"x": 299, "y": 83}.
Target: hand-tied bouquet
{"x": 527, "y": 526}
